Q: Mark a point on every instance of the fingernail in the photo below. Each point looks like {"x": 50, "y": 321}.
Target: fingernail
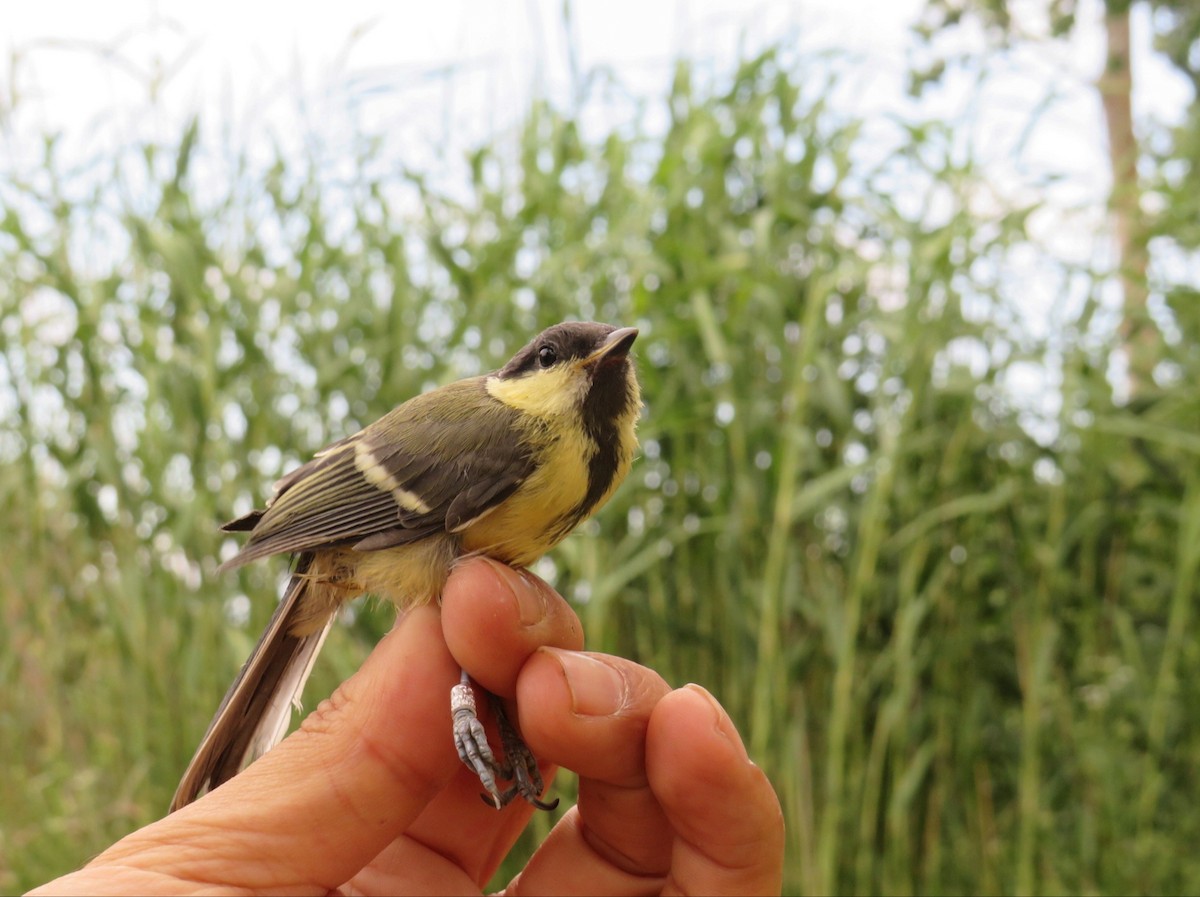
{"x": 722, "y": 724}
{"x": 597, "y": 689}
{"x": 527, "y": 591}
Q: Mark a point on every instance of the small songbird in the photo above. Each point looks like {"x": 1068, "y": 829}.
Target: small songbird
{"x": 505, "y": 465}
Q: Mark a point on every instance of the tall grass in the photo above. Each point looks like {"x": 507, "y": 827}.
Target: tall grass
{"x": 965, "y": 656}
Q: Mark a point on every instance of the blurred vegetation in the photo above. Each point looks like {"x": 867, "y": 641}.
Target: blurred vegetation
{"x": 952, "y": 615}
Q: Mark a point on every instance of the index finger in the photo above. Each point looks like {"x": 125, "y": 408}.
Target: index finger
{"x": 493, "y": 619}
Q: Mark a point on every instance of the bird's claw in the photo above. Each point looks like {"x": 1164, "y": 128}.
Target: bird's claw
{"x": 470, "y": 741}
{"x": 519, "y": 766}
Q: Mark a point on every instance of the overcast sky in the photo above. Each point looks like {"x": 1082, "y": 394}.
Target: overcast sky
{"x": 245, "y": 54}
{"x": 451, "y": 74}
{"x": 86, "y": 68}
{"x": 437, "y": 78}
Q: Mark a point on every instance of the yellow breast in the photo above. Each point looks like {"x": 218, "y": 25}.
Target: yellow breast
{"x": 538, "y": 515}
{"x": 548, "y": 505}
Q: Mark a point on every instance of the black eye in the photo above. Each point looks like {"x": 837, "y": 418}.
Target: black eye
{"x": 547, "y": 356}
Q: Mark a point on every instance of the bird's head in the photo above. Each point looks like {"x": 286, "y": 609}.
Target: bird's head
{"x": 575, "y": 368}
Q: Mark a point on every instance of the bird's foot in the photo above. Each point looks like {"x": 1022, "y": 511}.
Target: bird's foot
{"x": 471, "y": 741}
{"x": 519, "y": 766}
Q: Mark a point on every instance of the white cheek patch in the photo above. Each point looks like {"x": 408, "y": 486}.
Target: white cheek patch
{"x": 377, "y": 475}
{"x": 542, "y": 393}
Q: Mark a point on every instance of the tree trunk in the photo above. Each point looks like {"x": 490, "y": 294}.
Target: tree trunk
{"x": 1139, "y": 336}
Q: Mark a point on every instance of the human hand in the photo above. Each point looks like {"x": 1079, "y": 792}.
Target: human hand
{"x": 369, "y": 797}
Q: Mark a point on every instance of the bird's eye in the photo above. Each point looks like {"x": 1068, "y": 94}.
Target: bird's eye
{"x": 547, "y": 356}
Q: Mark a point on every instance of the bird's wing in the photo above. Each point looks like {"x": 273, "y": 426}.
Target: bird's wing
{"x": 433, "y": 464}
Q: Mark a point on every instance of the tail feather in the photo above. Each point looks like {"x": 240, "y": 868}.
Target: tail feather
{"x": 254, "y": 715}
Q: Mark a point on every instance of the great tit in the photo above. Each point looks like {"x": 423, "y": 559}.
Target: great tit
{"x": 505, "y": 464}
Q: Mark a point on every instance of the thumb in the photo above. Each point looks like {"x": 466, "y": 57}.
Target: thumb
{"x": 331, "y": 796}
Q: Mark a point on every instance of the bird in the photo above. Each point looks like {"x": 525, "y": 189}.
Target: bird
{"x": 505, "y": 464}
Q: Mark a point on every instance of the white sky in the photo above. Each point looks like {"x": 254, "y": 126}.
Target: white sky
{"x": 87, "y": 68}
{"x": 260, "y": 70}
{"x": 249, "y": 46}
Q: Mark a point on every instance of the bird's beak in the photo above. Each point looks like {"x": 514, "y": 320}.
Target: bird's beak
{"x": 615, "y": 347}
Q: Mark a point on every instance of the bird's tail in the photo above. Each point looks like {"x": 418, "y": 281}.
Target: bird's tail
{"x": 254, "y": 715}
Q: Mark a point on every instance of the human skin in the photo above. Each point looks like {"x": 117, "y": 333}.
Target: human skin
{"x": 369, "y": 796}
